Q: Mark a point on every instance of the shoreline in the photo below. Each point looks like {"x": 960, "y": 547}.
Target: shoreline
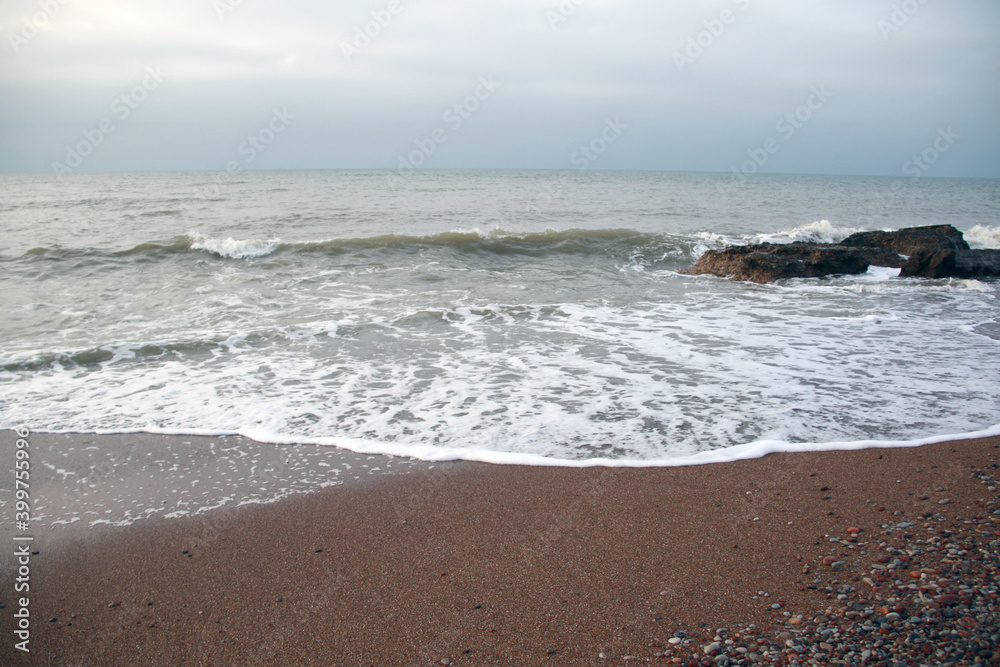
{"x": 435, "y": 454}
{"x": 483, "y": 564}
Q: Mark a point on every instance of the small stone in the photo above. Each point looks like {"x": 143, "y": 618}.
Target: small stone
{"x": 712, "y": 648}
{"x": 674, "y": 640}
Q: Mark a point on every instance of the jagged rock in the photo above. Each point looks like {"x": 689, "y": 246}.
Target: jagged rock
{"x": 952, "y": 264}
{"x": 768, "y": 262}
{"x": 911, "y": 240}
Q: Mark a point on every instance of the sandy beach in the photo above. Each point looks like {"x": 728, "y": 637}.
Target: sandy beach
{"x": 473, "y": 564}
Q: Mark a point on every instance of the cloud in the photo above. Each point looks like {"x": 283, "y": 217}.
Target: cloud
{"x": 566, "y": 66}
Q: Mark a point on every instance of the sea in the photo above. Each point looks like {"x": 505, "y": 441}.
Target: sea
{"x": 534, "y": 317}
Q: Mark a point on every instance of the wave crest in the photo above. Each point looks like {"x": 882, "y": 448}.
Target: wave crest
{"x": 619, "y": 243}
{"x": 983, "y": 236}
{"x": 234, "y": 248}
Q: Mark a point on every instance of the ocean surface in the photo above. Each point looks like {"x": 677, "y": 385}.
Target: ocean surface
{"x": 533, "y": 317}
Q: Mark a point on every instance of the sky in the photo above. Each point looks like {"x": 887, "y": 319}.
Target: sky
{"x": 868, "y": 87}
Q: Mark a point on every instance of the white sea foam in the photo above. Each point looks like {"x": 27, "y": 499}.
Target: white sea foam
{"x": 983, "y": 236}
{"x": 234, "y": 248}
{"x": 815, "y": 232}
{"x": 821, "y": 231}
{"x": 879, "y": 273}
{"x": 750, "y": 450}
{"x": 811, "y": 361}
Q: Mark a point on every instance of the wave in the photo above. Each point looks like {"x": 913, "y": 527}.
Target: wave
{"x": 612, "y": 242}
{"x": 983, "y": 236}
{"x": 234, "y": 248}
{"x": 435, "y": 453}
{"x": 107, "y": 354}
{"x": 621, "y": 244}
{"x": 815, "y": 232}
{"x": 821, "y": 231}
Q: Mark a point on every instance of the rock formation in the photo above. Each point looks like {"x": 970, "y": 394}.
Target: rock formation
{"x": 938, "y": 251}
{"x": 953, "y": 264}
{"x": 768, "y": 262}
{"x": 911, "y": 240}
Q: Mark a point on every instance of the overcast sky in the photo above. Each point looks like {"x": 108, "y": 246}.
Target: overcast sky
{"x": 810, "y": 86}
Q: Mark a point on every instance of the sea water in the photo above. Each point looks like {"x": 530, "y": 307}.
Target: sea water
{"x": 507, "y": 316}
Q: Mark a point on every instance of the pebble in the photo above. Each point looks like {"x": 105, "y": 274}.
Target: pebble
{"x": 931, "y": 597}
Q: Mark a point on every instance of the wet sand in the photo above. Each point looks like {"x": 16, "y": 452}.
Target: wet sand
{"x": 487, "y": 565}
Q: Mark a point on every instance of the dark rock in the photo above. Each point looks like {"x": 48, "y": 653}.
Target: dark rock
{"x": 768, "y": 262}
{"x": 882, "y": 257}
{"x": 911, "y": 240}
{"x": 953, "y": 264}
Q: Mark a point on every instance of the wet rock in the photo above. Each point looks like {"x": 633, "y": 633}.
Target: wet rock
{"x": 768, "y": 262}
{"x": 911, "y": 240}
{"x": 952, "y": 264}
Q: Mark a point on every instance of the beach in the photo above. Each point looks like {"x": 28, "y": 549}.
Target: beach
{"x": 476, "y": 564}
{"x": 500, "y": 334}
